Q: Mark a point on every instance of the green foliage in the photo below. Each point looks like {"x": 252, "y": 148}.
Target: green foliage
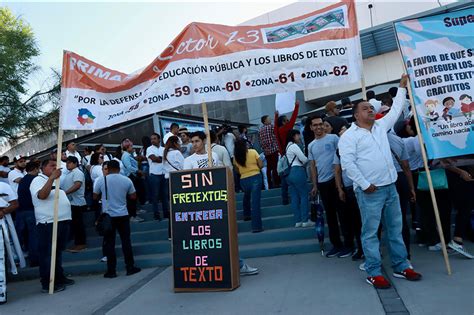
{"x": 20, "y": 115}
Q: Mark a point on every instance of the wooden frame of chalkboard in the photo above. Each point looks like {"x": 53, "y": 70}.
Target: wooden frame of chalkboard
{"x": 204, "y": 230}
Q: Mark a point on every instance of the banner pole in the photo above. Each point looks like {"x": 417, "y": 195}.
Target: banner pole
{"x": 425, "y": 164}
{"x": 208, "y": 135}
{"x": 52, "y": 274}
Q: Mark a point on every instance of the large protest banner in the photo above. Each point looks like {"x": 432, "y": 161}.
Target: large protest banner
{"x": 438, "y": 52}
{"x": 208, "y": 62}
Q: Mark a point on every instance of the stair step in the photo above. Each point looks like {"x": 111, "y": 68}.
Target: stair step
{"x": 164, "y": 259}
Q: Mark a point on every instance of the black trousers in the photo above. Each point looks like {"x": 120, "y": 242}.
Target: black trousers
{"x": 462, "y": 193}
{"x": 77, "y": 225}
{"x": 132, "y": 204}
{"x": 404, "y": 196}
{"x": 430, "y": 232}
{"x": 352, "y": 211}
{"x": 335, "y": 214}
{"x": 122, "y": 226}
{"x": 45, "y": 236}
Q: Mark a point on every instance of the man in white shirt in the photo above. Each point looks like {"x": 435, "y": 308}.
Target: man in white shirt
{"x": 367, "y": 159}
{"x": 222, "y": 153}
{"x": 71, "y": 151}
{"x": 17, "y": 173}
{"x": 4, "y": 169}
{"x": 42, "y": 190}
{"x": 154, "y": 155}
{"x": 74, "y": 186}
{"x": 200, "y": 158}
{"x": 174, "y": 131}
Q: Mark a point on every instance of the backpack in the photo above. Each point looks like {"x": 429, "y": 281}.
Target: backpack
{"x": 283, "y": 165}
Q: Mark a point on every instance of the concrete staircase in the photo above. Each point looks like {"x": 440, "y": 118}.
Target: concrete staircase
{"x": 151, "y": 246}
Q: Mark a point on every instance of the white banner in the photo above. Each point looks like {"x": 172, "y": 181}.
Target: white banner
{"x": 209, "y": 62}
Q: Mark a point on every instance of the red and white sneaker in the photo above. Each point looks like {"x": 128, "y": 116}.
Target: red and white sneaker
{"x": 378, "y": 282}
{"x": 409, "y": 274}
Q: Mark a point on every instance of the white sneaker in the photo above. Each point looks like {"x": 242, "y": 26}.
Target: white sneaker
{"x": 299, "y": 224}
{"x": 103, "y": 259}
{"x": 362, "y": 266}
{"x": 460, "y": 249}
{"x": 246, "y": 270}
{"x": 136, "y": 219}
{"x": 141, "y": 211}
{"x": 435, "y": 248}
{"x": 308, "y": 224}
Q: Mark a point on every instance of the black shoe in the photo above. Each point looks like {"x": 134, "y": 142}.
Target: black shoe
{"x": 57, "y": 288}
{"x": 333, "y": 252}
{"x": 285, "y": 203}
{"x": 110, "y": 275}
{"x": 358, "y": 255}
{"x": 257, "y": 231}
{"x": 66, "y": 281}
{"x": 247, "y": 218}
{"x": 157, "y": 217}
{"x": 346, "y": 252}
{"x": 133, "y": 271}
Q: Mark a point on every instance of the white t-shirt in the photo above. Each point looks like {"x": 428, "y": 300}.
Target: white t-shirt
{"x": 5, "y": 169}
{"x": 6, "y": 195}
{"x": 168, "y": 135}
{"x": 174, "y": 162}
{"x": 96, "y": 172}
{"x": 223, "y": 154}
{"x": 76, "y": 154}
{"x": 14, "y": 175}
{"x": 155, "y": 167}
{"x": 44, "y": 209}
{"x": 200, "y": 161}
{"x": 229, "y": 143}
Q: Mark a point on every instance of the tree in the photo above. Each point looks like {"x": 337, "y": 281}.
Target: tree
{"x": 20, "y": 115}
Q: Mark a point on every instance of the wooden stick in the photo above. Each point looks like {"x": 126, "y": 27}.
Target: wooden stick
{"x": 427, "y": 169}
{"x": 430, "y": 182}
{"x": 208, "y": 135}
{"x": 52, "y": 274}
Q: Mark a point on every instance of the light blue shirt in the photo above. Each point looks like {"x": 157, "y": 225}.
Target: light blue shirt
{"x": 115, "y": 201}
{"x": 322, "y": 152}
{"x": 397, "y": 146}
{"x": 130, "y": 165}
{"x": 345, "y": 179}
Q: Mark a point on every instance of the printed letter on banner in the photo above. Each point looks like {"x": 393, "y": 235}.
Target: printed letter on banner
{"x": 438, "y": 52}
{"x": 208, "y": 62}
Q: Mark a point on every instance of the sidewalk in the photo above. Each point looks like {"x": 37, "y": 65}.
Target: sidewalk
{"x": 293, "y": 284}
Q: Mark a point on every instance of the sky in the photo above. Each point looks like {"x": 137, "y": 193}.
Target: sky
{"x": 121, "y": 36}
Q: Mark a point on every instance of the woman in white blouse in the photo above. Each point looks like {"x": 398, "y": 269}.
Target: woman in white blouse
{"x": 298, "y": 180}
{"x": 173, "y": 160}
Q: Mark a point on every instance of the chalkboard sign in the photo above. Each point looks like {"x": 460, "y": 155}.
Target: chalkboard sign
{"x": 204, "y": 230}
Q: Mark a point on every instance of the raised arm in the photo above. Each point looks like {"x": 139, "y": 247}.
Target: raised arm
{"x": 389, "y": 120}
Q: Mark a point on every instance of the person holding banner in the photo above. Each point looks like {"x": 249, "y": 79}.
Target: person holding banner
{"x": 200, "y": 159}
{"x": 42, "y": 193}
{"x": 367, "y": 159}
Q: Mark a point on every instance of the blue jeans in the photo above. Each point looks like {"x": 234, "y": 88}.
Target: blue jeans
{"x": 384, "y": 201}
{"x": 252, "y": 187}
{"x": 284, "y": 190}
{"x": 299, "y": 192}
{"x": 159, "y": 189}
{"x": 25, "y": 224}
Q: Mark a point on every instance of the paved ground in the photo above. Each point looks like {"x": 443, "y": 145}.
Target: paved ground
{"x": 295, "y": 284}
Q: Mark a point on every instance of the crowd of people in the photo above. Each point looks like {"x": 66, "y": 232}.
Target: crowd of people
{"x": 365, "y": 173}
